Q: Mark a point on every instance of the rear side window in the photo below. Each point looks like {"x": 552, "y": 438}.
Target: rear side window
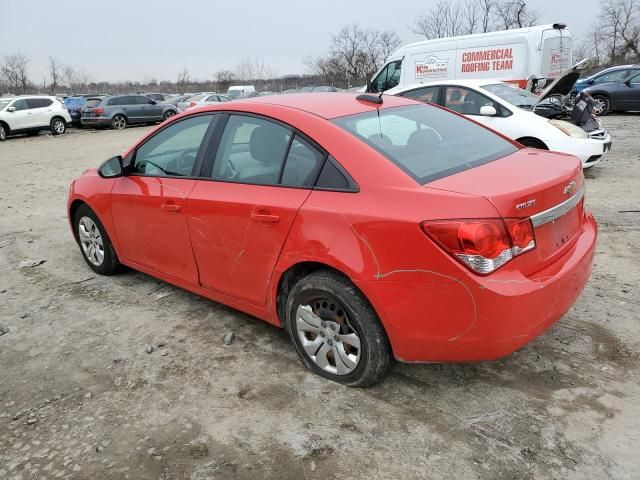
{"x": 425, "y": 141}
{"x": 115, "y": 101}
{"x": 303, "y": 164}
{"x": 424, "y": 94}
{"x": 141, "y": 100}
{"x": 252, "y": 150}
{"x": 94, "y": 102}
{"x": 39, "y": 102}
{"x": 332, "y": 177}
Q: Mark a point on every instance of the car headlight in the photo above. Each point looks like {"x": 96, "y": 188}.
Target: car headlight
{"x": 569, "y": 129}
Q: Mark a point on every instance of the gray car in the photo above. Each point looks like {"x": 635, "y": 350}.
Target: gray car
{"x": 119, "y": 111}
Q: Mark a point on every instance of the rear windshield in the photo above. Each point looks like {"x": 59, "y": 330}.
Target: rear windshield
{"x": 93, "y": 102}
{"x": 425, "y": 141}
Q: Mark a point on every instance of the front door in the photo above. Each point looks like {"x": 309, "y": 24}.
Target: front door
{"x": 149, "y": 204}
{"x": 628, "y": 94}
{"x": 240, "y": 218}
{"x": 22, "y": 116}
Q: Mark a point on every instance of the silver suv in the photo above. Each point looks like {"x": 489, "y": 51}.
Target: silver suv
{"x": 119, "y": 111}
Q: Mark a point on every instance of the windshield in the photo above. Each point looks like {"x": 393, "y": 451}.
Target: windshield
{"x": 427, "y": 142}
{"x": 4, "y": 103}
{"x": 512, "y": 94}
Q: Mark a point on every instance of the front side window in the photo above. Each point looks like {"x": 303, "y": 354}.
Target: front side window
{"x": 424, "y": 94}
{"x": 20, "y": 104}
{"x": 388, "y": 77}
{"x": 173, "y": 151}
{"x": 616, "y": 76}
{"x": 252, "y": 150}
{"x": 425, "y": 141}
{"x": 467, "y": 101}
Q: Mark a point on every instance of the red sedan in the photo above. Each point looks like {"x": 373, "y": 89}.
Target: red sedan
{"x": 370, "y": 229}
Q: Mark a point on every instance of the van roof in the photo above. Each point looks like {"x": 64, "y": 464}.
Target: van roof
{"x": 537, "y": 28}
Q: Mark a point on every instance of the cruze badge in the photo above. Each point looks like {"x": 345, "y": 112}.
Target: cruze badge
{"x": 527, "y": 204}
{"x": 570, "y": 188}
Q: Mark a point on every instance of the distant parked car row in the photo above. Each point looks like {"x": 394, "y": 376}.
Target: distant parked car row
{"x": 613, "y": 89}
{"x": 31, "y": 114}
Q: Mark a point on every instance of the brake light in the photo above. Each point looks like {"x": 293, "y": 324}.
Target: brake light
{"x": 192, "y": 104}
{"x": 98, "y": 111}
{"x": 482, "y": 245}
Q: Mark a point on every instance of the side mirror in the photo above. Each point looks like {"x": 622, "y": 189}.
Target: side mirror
{"x": 488, "y": 111}
{"x": 112, "y": 168}
{"x": 152, "y": 102}
{"x": 11, "y": 109}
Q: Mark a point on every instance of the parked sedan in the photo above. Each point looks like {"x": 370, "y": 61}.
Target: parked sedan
{"x": 207, "y": 100}
{"x": 616, "y": 74}
{"x": 368, "y": 228}
{"x": 512, "y": 111}
{"x": 617, "y": 96}
{"x": 196, "y": 97}
{"x": 119, "y": 111}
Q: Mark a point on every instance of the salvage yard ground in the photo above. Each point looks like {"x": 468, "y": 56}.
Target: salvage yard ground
{"x": 81, "y": 397}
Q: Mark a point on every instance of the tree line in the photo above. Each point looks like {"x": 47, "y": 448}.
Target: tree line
{"x": 354, "y": 53}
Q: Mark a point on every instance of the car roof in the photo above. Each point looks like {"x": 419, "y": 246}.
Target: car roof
{"x": 474, "y": 83}
{"x": 327, "y": 105}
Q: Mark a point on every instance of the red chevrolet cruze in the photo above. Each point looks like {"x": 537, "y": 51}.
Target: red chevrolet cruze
{"x": 370, "y": 229}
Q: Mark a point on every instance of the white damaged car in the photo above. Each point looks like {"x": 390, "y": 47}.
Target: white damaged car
{"x": 546, "y": 121}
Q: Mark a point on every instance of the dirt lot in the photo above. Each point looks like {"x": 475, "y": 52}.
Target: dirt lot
{"x": 81, "y": 398}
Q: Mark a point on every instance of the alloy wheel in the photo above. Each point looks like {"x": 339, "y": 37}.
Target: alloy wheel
{"x": 119, "y": 122}
{"x": 58, "y": 126}
{"x": 327, "y": 337}
{"x": 600, "y": 106}
{"x": 91, "y": 241}
{"x": 169, "y": 114}
{"x": 3, "y": 134}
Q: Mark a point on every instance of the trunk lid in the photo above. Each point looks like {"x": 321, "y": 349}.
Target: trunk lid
{"x": 547, "y": 187}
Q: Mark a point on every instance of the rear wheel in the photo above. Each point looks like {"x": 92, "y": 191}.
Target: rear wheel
{"x": 168, "y": 114}
{"x": 533, "y": 143}
{"x": 118, "y": 122}
{"x": 335, "y": 330}
{"x": 58, "y": 126}
{"x": 95, "y": 245}
{"x": 3, "y": 132}
{"x": 602, "y": 105}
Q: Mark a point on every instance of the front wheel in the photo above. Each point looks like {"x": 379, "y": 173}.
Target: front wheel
{"x": 602, "y": 105}
{"x": 168, "y": 114}
{"x": 118, "y": 122}
{"x": 335, "y": 331}
{"x": 95, "y": 245}
{"x": 58, "y": 126}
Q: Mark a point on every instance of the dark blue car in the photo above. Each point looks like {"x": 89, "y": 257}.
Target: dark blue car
{"x": 613, "y": 74}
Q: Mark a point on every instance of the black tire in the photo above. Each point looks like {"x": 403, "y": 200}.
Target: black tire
{"x": 110, "y": 263}
{"x": 533, "y": 143}
{"x": 168, "y": 114}
{"x": 119, "y": 122}
{"x": 58, "y": 126}
{"x": 374, "y": 351}
{"x": 604, "y": 105}
{"x": 4, "y": 131}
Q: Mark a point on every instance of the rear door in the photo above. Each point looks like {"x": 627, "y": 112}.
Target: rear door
{"x": 149, "y": 204}
{"x": 241, "y": 214}
{"x": 41, "y": 110}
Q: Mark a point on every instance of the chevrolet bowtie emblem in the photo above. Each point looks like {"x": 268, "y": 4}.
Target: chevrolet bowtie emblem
{"x": 570, "y": 188}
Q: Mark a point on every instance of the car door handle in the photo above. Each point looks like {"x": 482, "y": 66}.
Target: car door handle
{"x": 264, "y": 217}
{"x": 171, "y": 207}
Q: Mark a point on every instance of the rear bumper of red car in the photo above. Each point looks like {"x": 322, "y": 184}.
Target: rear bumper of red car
{"x": 432, "y": 317}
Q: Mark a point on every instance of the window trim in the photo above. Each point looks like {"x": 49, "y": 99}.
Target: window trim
{"x": 197, "y": 165}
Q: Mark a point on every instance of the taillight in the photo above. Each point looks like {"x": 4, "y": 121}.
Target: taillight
{"x": 483, "y": 245}
{"x": 98, "y": 111}
{"x": 192, "y": 104}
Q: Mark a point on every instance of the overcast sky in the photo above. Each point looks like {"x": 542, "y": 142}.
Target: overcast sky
{"x": 142, "y": 39}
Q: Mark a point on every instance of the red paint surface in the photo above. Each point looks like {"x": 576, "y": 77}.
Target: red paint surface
{"x": 232, "y": 243}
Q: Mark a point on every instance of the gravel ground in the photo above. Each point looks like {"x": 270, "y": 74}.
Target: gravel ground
{"x": 81, "y": 397}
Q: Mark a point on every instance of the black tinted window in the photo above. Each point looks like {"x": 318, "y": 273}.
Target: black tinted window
{"x": 424, "y": 94}
{"x": 332, "y": 178}
{"x": 39, "y": 102}
{"x": 303, "y": 164}
{"x": 251, "y": 150}
{"x": 425, "y": 141}
{"x": 173, "y": 151}
{"x": 142, "y": 100}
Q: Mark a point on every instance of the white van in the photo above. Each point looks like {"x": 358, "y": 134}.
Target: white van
{"x": 513, "y": 56}
{"x": 236, "y": 90}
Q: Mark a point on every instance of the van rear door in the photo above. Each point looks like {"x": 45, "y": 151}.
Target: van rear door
{"x": 556, "y": 52}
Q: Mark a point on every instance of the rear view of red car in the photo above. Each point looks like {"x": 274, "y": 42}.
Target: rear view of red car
{"x": 369, "y": 231}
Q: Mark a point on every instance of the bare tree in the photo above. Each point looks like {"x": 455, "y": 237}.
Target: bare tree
{"x": 224, "y": 79}
{"x": 443, "y": 20}
{"x": 55, "y": 74}
{"x": 515, "y": 14}
{"x": 487, "y": 10}
{"x": 182, "y": 83}
{"x": 615, "y": 37}
{"x": 14, "y": 72}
